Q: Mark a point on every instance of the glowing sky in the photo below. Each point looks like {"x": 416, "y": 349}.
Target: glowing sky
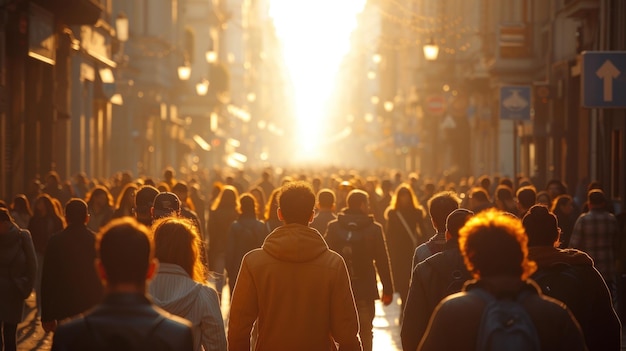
{"x": 315, "y": 37}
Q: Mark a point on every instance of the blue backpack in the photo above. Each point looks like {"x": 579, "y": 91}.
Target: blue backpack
{"x": 505, "y": 324}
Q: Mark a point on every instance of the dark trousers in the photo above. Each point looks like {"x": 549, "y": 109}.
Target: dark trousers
{"x": 9, "y": 337}
{"x": 367, "y": 312}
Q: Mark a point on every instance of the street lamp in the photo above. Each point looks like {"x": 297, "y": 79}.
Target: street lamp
{"x": 211, "y": 56}
{"x": 184, "y": 71}
{"x": 431, "y": 50}
{"x": 121, "y": 27}
{"x": 202, "y": 88}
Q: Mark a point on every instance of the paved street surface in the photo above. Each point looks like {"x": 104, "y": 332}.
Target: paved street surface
{"x": 386, "y": 327}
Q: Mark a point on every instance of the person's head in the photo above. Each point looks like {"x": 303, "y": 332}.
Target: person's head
{"x": 504, "y": 194}
{"x": 507, "y": 181}
{"x": 99, "y": 197}
{"x": 326, "y": 199}
{"x": 6, "y": 221}
{"x": 562, "y": 205}
{"x": 555, "y": 187}
{"x": 227, "y": 199}
{"x": 271, "y": 207}
{"x": 76, "y": 212}
{"x": 440, "y": 206}
{"x": 494, "y": 243}
{"x": 181, "y": 190}
{"x": 125, "y": 254}
{"x": 53, "y": 179}
{"x": 543, "y": 198}
{"x": 126, "y": 198}
{"x": 484, "y": 182}
{"x": 596, "y": 199}
{"x": 44, "y": 206}
{"x": 165, "y": 205}
{"x": 526, "y": 197}
{"x": 144, "y": 199}
{"x": 404, "y": 197}
{"x": 176, "y": 241}
{"x": 169, "y": 174}
{"x": 295, "y": 203}
{"x": 358, "y": 200}
{"x": 21, "y": 204}
{"x": 248, "y": 205}
{"x": 455, "y": 221}
{"x": 478, "y": 197}
{"x": 541, "y": 227}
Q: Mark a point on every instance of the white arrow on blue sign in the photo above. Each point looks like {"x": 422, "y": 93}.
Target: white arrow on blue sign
{"x": 604, "y": 79}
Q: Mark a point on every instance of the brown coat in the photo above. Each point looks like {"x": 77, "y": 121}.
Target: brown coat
{"x": 300, "y": 292}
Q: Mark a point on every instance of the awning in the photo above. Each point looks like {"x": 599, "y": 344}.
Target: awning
{"x": 74, "y": 12}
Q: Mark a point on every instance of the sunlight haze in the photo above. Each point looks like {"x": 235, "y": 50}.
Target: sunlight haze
{"x": 315, "y": 37}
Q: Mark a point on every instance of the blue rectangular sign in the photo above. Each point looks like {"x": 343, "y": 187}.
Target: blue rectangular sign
{"x": 515, "y": 102}
{"x": 604, "y": 79}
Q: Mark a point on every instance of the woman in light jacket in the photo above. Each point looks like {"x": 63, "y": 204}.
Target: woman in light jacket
{"x": 180, "y": 284}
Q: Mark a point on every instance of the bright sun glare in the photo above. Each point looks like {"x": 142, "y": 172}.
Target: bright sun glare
{"x": 315, "y": 37}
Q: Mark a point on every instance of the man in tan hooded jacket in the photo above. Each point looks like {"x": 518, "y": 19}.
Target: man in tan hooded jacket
{"x": 295, "y": 288}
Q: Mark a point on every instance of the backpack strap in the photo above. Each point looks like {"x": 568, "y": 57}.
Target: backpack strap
{"x": 406, "y": 227}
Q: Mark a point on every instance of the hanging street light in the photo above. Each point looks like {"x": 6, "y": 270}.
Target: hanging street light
{"x": 431, "y": 50}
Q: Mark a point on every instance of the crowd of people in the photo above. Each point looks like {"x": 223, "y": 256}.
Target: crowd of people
{"x": 303, "y": 255}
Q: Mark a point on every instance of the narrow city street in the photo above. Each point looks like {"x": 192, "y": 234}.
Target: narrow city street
{"x": 31, "y": 336}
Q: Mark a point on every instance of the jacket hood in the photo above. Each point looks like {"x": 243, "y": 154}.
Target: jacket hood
{"x": 547, "y": 256}
{"x": 180, "y": 297}
{"x": 9, "y": 245}
{"x": 354, "y": 220}
{"x": 295, "y": 243}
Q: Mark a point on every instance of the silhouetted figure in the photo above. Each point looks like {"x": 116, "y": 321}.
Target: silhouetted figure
{"x": 246, "y": 234}
{"x": 569, "y": 276}
{"x": 493, "y": 245}
{"x": 294, "y": 277}
{"x": 69, "y": 282}
{"x": 440, "y": 206}
{"x": 126, "y": 319}
{"x": 361, "y": 242}
{"x": 18, "y": 269}
{"x": 433, "y": 279}
{"x": 325, "y": 210}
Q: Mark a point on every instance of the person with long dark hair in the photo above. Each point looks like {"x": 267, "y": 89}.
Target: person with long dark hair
{"x": 100, "y": 202}
{"x": 224, "y": 211}
{"x": 20, "y": 211}
{"x": 46, "y": 221}
{"x": 404, "y": 231}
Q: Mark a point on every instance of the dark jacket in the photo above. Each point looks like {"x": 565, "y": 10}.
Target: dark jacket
{"x": 595, "y": 313}
{"x": 41, "y": 229}
{"x": 18, "y": 265}
{"x": 401, "y": 245}
{"x": 218, "y": 226}
{"x": 321, "y": 220}
{"x": 246, "y": 234}
{"x": 69, "y": 282}
{"x": 456, "y": 320}
{"x": 431, "y": 280}
{"x": 360, "y": 241}
{"x": 124, "y": 321}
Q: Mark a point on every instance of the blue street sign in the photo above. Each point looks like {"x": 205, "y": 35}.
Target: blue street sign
{"x": 604, "y": 79}
{"x": 515, "y": 102}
